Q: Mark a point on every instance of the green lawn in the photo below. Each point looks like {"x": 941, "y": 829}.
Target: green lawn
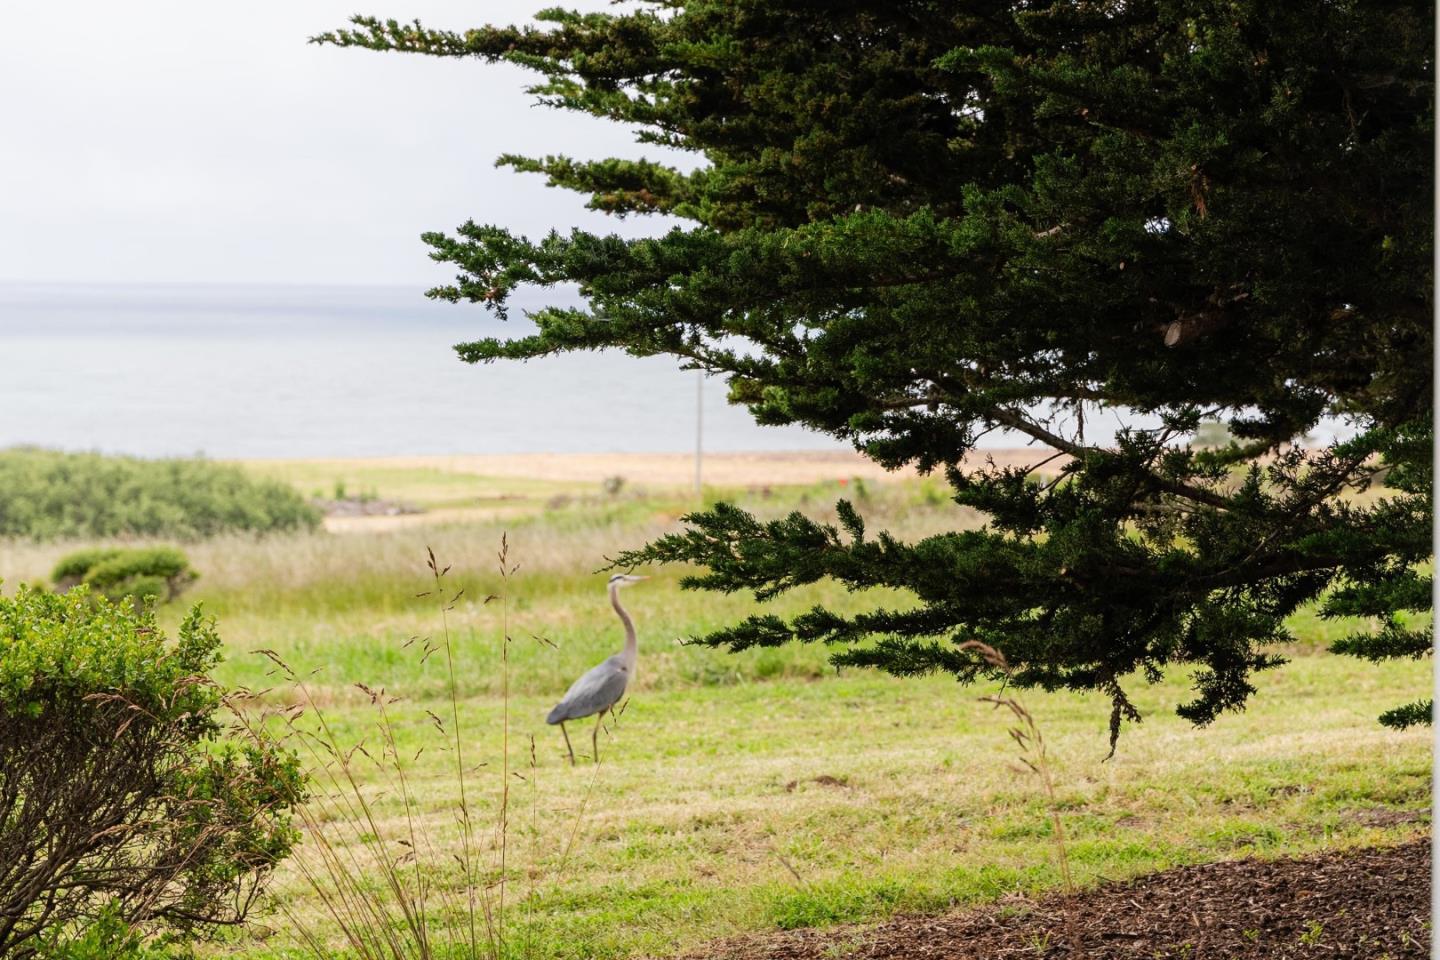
{"x": 749, "y": 792}
{"x": 781, "y": 803}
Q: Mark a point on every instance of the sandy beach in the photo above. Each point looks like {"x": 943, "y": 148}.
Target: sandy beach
{"x": 678, "y": 469}
{"x": 458, "y": 488}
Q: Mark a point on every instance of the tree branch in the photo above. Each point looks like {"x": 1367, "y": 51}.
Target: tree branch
{"x": 1011, "y": 418}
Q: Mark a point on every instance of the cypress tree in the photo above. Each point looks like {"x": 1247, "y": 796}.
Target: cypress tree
{"x": 914, "y": 223}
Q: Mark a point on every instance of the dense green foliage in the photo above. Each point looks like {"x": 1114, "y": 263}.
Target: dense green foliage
{"x": 916, "y": 223}
{"x": 117, "y": 573}
{"x": 72, "y": 567}
{"x": 120, "y": 797}
{"x": 46, "y": 495}
{"x": 108, "y": 937}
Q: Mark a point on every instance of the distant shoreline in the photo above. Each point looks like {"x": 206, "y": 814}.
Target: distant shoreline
{"x": 671, "y": 469}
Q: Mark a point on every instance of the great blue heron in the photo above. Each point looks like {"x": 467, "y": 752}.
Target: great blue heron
{"x": 601, "y": 687}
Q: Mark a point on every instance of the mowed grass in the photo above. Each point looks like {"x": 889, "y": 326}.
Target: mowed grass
{"x": 749, "y": 792}
{"x": 719, "y": 810}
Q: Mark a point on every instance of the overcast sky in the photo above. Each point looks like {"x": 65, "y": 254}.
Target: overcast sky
{"x": 176, "y": 140}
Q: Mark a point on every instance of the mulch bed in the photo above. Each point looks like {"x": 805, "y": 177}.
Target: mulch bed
{"x": 1366, "y": 904}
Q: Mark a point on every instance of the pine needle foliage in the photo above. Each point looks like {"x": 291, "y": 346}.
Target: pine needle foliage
{"x": 914, "y": 223}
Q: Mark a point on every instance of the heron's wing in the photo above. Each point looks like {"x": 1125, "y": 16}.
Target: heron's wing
{"x": 598, "y": 689}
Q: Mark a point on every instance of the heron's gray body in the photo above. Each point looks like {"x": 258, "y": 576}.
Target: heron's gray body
{"x": 599, "y": 689}
{"x": 602, "y": 686}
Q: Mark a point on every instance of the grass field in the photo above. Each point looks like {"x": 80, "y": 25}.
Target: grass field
{"x": 749, "y": 792}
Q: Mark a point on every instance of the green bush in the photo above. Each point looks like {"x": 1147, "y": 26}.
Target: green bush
{"x": 116, "y": 573}
{"x": 48, "y": 495}
{"x": 73, "y": 566}
{"x": 108, "y": 937}
{"x": 121, "y": 798}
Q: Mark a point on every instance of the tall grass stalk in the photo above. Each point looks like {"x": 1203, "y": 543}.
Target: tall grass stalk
{"x": 1035, "y": 756}
{"x": 462, "y": 812}
{"x": 506, "y": 571}
{"x": 382, "y": 887}
{"x": 1033, "y": 753}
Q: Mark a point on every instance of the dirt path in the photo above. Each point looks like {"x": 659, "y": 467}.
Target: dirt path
{"x": 1363, "y": 904}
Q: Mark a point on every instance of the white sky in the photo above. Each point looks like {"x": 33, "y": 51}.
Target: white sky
{"x": 176, "y": 140}
{"x": 185, "y": 141}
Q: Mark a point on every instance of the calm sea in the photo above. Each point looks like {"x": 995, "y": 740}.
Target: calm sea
{"x": 320, "y": 371}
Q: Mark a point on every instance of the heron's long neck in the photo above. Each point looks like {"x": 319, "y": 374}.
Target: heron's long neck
{"x": 631, "y": 644}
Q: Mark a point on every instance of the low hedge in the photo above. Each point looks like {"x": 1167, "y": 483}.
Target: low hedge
{"x": 119, "y": 573}
{"x": 48, "y": 495}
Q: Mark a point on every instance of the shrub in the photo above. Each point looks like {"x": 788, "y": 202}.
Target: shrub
{"x": 73, "y": 566}
{"x": 115, "y": 573}
{"x": 107, "y": 938}
{"x": 120, "y": 799}
{"x": 47, "y": 495}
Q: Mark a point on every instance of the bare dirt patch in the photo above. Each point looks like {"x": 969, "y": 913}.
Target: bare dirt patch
{"x": 1385, "y": 816}
{"x": 1353, "y": 903}
{"x": 824, "y": 780}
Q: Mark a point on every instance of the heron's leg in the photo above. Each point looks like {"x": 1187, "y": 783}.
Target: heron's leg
{"x": 595, "y": 735}
{"x": 568, "y": 748}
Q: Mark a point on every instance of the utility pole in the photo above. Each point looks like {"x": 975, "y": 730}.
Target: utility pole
{"x": 699, "y": 429}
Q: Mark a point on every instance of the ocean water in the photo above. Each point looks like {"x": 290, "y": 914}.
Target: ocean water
{"x": 229, "y": 371}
